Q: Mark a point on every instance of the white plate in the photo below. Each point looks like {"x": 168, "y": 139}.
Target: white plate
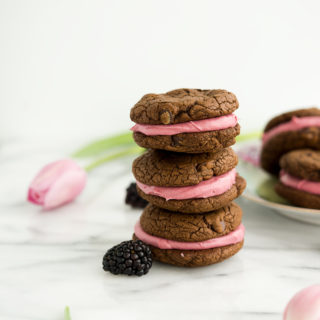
{"x": 256, "y": 176}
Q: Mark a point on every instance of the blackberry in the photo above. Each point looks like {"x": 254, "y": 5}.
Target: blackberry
{"x": 129, "y": 257}
{"x": 133, "y": 198}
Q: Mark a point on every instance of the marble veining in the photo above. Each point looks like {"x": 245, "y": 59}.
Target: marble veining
{"x": 53, "y": 259}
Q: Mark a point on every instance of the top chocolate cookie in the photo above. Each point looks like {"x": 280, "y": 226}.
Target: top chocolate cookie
{"x": 183, "y": 105}
{"x": 285, "y": 117}
{"x": 303, "y": 163}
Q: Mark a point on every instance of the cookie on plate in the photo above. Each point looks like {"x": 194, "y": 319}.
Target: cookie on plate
{"x": 186, "y": 120}
{"x": 289, "y": 131}
{"x": 191, "y": 240}
{"x": 300, "y": 178}
{"x": 188, "y": 183}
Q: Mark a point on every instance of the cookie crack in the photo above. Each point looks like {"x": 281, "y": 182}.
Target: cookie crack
{"x": 209, "y": 226}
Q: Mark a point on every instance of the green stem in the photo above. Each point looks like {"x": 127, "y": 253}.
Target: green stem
{"x": 67, "y": 315}
{"x": 248, "y": 136}
{"x": 127, "y": 152}
{"x": 125, "y": 141}
{"x": 97, "y": 147}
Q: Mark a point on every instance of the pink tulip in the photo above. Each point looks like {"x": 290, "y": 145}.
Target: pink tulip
{"x": 305, "y": 305}
{"x": 57, "y": 183}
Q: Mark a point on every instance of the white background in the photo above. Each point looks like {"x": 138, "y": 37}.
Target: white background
{"x": 74, "y": 68}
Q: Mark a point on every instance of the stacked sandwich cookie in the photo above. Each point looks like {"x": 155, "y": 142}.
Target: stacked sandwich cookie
{"x": 188, "y": 176}
{"x": 289, "y": 131}
{"x": 291, "y": 148}
{"x": 300, "y": 178}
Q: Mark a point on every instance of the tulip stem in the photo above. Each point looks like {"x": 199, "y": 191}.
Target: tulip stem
{"x": 67, "y": 315}
{"x": 127, "y": 152}
{"x": 125, "y": 140}
{"x": 249, "y": 136}
{"x": 102, "y": 145}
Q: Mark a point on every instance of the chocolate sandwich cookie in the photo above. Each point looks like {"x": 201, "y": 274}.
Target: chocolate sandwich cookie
{"x": 290, "y": 131}
{"x": 193, "y": 183}
{"x": 300, "y": 178}
{"x": 190, "y": 227}
{"x": 169, "y": 169}
{"x": 186, "y": 120}
{"x": 191, "y": 240}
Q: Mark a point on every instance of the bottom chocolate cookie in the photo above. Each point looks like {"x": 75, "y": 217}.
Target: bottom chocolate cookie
{"x": 298, "y": 197}
{"x": 194, "y": 258}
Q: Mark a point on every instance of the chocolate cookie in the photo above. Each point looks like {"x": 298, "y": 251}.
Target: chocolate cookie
{"x": 186, "y": 120}
{"x": 303, "y": 163}
{"x": 190, "y": 142}
{"x": 198, "y": 205}
{"x": 285, "y": 117}
{"x": 183, "y": 105}
{"x": 298, "y": 197}
{"x": 194, "y": 258}
{"x": 190, "y": 228}
{"x": 290, "y": 131}
{"x": 188, "y": 241}
{"x": 168, "y": 169}
{"x": 300, "y": 178}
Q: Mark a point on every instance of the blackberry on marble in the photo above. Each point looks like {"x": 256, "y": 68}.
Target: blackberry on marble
{"x": 129, "y": 257}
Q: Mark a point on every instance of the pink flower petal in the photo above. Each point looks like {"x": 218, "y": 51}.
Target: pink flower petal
{"x": 57, "y": 183}
{"x": 49, "y": 173}
{"x": 65, "y": 189}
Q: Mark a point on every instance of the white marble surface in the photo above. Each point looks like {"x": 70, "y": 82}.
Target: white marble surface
{"x": 53, "y": 259}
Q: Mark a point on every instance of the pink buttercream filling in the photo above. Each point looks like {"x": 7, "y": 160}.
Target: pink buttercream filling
{"x": 211, "y": 124}
{"x": 293, "y": 125}
{"x": 205, "y": 189}
{"x": 300, "y": 184}
{"x": 231, "y": 238}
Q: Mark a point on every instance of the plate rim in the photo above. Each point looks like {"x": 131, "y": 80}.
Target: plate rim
{"x": 279, "y": 206}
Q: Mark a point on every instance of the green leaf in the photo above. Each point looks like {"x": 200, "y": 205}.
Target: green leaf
{"x": 97, "y": 147}
{"x": 67, "y": 315}
{"x": 266, "y": 191}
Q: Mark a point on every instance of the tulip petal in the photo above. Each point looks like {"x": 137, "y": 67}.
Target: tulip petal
{"x": 49, "y": 173}
{"x": 35, "y": 197}
{"x": 57, "y": 183}
{"x": 65, "y": 189}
